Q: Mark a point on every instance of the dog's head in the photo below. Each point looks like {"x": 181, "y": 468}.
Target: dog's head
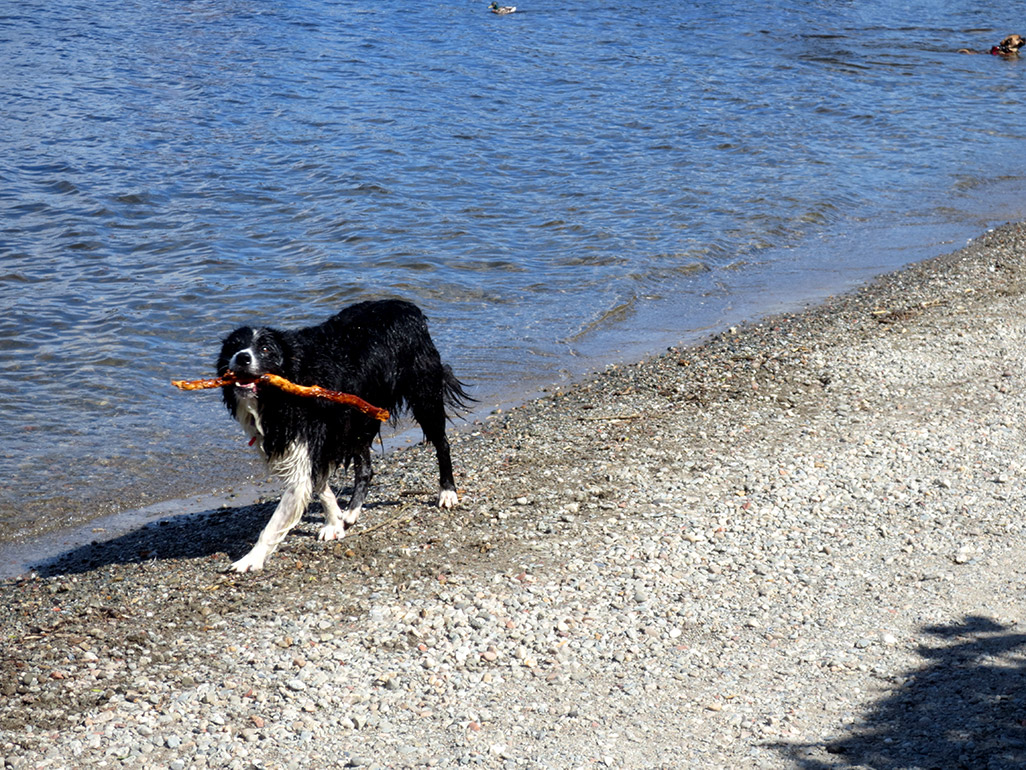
{"x": 249, "y": 353}
{"x": 1010, "y": 45}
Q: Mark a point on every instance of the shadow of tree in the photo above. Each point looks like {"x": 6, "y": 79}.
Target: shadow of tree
{"x": 965, "y": 709}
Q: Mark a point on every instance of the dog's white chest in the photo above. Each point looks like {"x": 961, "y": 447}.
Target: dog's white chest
{"x": 248, "y": 415}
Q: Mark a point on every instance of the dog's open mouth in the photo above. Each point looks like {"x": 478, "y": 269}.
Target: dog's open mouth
{"x": 245, "y": 384}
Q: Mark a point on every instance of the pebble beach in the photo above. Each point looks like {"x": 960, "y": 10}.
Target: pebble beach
{"x": 796, "y": 545}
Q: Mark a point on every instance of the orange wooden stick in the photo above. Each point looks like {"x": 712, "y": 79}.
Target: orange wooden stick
{"x": 203, "y": 384}
{"x": 309, "y": 391}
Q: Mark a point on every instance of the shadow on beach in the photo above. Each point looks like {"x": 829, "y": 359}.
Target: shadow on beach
{"x": 966, "y": 708}
{"x": 223, "y": 533}
{"x": 199, "y": 535}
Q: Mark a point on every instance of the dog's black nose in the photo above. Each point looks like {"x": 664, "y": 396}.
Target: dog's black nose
{"x": 242, "y": 359}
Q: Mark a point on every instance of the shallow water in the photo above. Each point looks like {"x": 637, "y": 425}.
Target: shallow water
{"x": 558, "y": 188}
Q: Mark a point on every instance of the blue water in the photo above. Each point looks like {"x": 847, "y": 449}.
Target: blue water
{"x": 558, "y": 188}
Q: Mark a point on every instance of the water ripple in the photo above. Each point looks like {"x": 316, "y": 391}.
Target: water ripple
{"x": 545, "y": 184}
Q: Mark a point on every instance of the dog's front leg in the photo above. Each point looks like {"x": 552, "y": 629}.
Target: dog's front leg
{"x": 337, "y": 521}
{"x": 333, "y": 528}
{"x": 285, "y": 517}
{"x": 295, "y": 467}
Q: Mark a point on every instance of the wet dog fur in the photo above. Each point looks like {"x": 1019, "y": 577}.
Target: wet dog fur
{"x": 380, "y": 351}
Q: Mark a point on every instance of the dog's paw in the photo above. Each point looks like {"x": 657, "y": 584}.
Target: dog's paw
{"x": 332, "y": 532}
{"x": 251, "y": 562}
{"x": 350, "y": 516}
{"x": 447, "y": 499}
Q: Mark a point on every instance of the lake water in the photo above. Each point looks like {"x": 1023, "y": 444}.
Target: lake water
{"x": 559, "y": 189}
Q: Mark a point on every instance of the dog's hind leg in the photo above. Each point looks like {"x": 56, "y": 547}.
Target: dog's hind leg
{"x": 432, "y": 421}
{"x": 447, "y": 497}
{"x": 295, "y": 467}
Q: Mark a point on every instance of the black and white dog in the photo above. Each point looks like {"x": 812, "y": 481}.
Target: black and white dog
{"x": 380, "y": 351}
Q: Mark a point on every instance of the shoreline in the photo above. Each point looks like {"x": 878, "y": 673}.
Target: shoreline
{"x": 796, "y": 544}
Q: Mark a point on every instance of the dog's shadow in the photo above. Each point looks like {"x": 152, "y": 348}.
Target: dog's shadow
{"x": 225, "y": 532}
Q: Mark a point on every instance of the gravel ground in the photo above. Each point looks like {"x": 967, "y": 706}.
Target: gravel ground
{"x": 797, "y": 545}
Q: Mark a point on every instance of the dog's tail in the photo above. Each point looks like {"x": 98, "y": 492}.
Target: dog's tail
{"x": 454, "y": 392}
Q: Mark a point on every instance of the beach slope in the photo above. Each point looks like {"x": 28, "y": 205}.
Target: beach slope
{"x": 797, "y": 545}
